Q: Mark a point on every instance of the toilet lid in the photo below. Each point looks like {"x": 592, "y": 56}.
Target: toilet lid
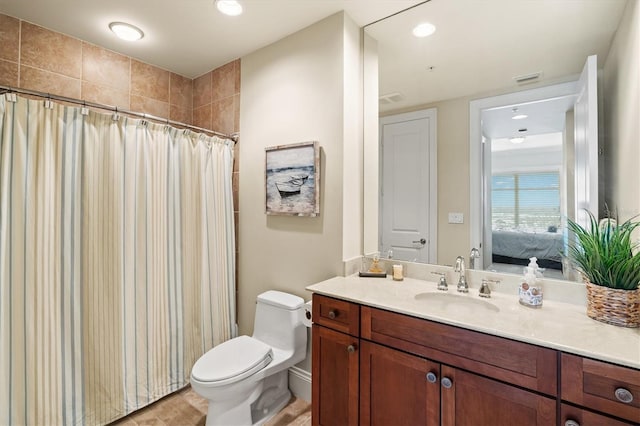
{"x": 234, "y": 359}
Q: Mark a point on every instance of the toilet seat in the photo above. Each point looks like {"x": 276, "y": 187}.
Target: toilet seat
{"x": 232, "y": 361}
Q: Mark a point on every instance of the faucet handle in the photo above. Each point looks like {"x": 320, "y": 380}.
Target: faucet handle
{"x": 442, "y": 284}
{"x": 485, "y": 290}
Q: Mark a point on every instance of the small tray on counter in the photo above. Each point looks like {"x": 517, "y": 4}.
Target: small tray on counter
{"x": 373, "y": 274}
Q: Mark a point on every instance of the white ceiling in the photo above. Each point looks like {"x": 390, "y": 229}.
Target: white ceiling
{"x": 190, "y": 37}
{"x": 545, "y": 116}
{"x": 480, "y": 45}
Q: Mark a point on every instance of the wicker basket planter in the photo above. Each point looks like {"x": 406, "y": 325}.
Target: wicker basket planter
{"x": 613, "y": 306}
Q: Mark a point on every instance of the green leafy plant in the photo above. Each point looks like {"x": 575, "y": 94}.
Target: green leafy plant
{"x": 605, "y": 254}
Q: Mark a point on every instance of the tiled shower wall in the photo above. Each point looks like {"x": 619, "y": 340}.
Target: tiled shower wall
{"x": 35, "y": 58}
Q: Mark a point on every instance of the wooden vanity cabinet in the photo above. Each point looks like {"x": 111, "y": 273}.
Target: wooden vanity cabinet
{"x": 375, "y": 367}
{"x": 335, "y": 361}
{"x": 426, "y": 387}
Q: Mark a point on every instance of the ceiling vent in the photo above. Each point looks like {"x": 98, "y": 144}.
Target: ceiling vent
{"x": 528, "y": 78}
{"x": 390, "y": 98}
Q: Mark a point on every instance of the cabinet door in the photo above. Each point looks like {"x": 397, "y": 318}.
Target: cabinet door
{"x": 335, "y": 377}
{"x": 469, "y": 399}
{"x": 395, "y": 389}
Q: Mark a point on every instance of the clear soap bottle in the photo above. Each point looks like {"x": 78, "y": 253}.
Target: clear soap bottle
{"x": 530, "y": 290}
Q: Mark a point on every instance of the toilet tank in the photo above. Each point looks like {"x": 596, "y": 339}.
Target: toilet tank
{"x": 278, "y": 320}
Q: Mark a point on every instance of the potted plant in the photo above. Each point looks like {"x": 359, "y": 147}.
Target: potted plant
{"x": 609, "y": 262}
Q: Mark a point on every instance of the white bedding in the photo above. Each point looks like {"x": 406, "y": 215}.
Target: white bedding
{"x": 523, "y": 245}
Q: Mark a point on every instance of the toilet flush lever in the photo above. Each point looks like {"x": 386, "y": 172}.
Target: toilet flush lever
{"x": 421, "y": 241}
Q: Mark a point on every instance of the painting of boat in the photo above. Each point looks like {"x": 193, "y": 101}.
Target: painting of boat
{"x": 289, "y": 188}
{"x": 292, "y": 174}
{"x": 299, "y": 179}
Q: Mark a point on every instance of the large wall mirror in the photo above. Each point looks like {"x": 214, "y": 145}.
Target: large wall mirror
{"x": 510, "y": 117}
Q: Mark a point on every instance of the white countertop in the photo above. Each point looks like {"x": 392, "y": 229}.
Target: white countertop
{"x": 556, "y": 325}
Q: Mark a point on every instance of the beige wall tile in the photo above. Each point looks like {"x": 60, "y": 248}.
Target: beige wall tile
{"x": 238, "y": 69}
{"x": 202, "y": 117}
{"x": 149, "y": 106}
{"x": 222, "y": 115}
{"x": 92, "y": 92}
{"x": 50, "y": 51}
{"x": 105, "y": 67}
{"x": 8, "y": 73}
{"x": 149, "y": 81}
{"x": 183, "y": 115}
{"x": 236, "y": 113}
{"x": 202, "y": 90}
{"x": 49, "y": 82}
{"x": 235, "y": 184}
{"x": 9, "y": 38}
{"x": 223, "y": 82}
{"x": 181, "y": 92}
{"x": 236, "y": 157}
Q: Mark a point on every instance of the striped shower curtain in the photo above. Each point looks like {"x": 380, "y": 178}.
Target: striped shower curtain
{"x": 116, "y": 260}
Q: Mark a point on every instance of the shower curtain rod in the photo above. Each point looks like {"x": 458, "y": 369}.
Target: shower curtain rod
{"x": 8, "y": 89}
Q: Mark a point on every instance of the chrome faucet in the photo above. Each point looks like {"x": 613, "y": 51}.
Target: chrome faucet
{"x": 463, "y": 287}
{"x": 485, "y": 290}
{"x": 475, "y": 254}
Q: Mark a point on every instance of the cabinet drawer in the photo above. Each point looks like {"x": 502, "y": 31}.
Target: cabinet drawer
{"x": 594, "y": 384}
{"x": 336, "y": 314}
{"x": 514, "y": 362}
{"x": 575, "y": 416}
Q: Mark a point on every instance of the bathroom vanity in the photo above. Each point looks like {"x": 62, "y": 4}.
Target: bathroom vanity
{"x": 393, "y": 353}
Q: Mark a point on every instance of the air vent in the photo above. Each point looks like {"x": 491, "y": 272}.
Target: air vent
{"x": 528, "y": 78}
{"x": 390, "y": 98}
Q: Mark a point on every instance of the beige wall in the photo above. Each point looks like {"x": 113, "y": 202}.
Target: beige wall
{"x": 294, "y": 91}
{"x": 353, "y": 166}
{"x": 622, "y": 116}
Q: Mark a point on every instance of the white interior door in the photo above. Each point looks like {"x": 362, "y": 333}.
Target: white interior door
{"x": 586, "y": 142}
{"x": 408, "y": 189}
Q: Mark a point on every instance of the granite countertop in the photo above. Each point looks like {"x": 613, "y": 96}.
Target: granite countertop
{"x": 557, "y": 325}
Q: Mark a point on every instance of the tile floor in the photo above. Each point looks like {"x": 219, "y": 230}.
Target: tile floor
{"x": 187, "y": 408}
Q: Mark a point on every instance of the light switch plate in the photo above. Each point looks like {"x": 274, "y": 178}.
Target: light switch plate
{"x": 456, "y": 218}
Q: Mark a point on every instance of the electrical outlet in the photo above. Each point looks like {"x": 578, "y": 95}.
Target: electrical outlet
{"x": 456, "y": 218}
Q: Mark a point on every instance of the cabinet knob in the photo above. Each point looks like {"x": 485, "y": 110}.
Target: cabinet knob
{"x": 623, "y": 395}
{"x": 332, "y": 314}
{"x": 431, "y": 377}
{"x": 351, "y": 348}
{"x": 571, "y": 423}
{"x": 446, "y": 382}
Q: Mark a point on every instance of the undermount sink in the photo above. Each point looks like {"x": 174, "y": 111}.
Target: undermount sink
{"x": 448, "y": 301}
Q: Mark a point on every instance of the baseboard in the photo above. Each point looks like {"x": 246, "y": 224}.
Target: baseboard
{"x": 300, "y": 383}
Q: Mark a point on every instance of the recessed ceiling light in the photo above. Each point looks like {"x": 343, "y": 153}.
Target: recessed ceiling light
{"x": 229, "y": 7}
{"x": 519, "y": 116}
{"x": 516, "y": 140}
{"x": 424, "y": 30}
{"x": 126, "y": 31}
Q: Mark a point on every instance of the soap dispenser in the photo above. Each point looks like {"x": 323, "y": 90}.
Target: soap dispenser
{"x": 530, "y": 291}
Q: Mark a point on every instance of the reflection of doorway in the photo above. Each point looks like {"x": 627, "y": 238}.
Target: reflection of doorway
{"x": 544, "y": 172}
{"x": 408, "y": 186}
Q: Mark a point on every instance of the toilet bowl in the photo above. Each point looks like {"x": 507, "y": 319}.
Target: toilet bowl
{"x": 245, "y": 379}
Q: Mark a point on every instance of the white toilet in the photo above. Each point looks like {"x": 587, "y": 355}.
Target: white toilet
{"x": 245, "y": 379}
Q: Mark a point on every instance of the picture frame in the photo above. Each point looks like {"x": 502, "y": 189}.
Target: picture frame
{"x": 292, "y": 179}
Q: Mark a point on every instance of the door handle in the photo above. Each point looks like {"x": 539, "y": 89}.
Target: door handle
{"x": 421, "y": 241}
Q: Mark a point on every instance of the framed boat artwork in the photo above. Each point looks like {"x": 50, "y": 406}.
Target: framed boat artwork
{"x": 292, "y": 179}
